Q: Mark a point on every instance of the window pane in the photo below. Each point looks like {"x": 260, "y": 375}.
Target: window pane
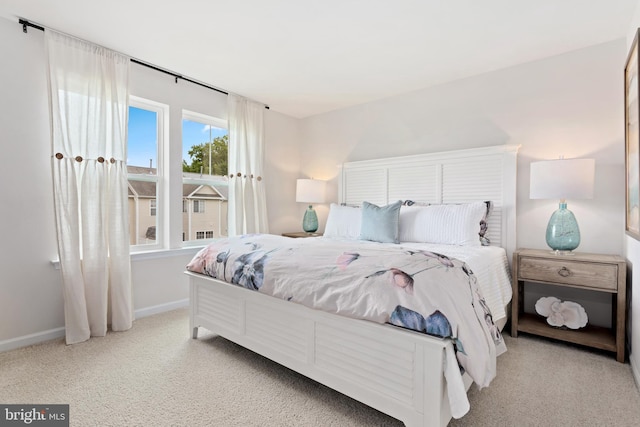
{"x": 142, "y": 155}
{"x": 205, "y": 185}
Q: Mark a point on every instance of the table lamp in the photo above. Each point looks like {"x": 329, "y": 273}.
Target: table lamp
{"x": 562, "y": 179}
{"x": 310, "y": 191}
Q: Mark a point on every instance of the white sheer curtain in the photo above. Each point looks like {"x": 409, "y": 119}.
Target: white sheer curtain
{"x": 247, "y": 199}
{"x": 88, "y": 98}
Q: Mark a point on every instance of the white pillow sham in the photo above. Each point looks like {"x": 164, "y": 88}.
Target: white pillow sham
{"x": 343, "y": 222}
{"x": 454, "y": 224}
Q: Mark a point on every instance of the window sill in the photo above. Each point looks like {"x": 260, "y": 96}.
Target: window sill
{"x": 146, "y": 255}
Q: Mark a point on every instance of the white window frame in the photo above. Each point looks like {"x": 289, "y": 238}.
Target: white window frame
{"x": 204, "y": 180}
{"x": 153, "y": 207}
{"x": 162, "y": 114}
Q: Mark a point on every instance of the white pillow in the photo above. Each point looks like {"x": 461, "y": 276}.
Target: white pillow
{"x": 343, "y": 221}
{"x": 445, "y": 224}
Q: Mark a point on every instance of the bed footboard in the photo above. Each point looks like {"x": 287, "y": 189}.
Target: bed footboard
{"x": 395, "y": 371}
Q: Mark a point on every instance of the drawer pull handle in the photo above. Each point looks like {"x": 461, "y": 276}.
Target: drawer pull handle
{"x": 564, "y": 272}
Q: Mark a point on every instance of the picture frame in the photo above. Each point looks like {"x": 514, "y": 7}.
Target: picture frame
{"x": 632, "y": 141}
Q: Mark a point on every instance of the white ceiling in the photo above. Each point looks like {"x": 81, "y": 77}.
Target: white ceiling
{"x": 308, "y": 57}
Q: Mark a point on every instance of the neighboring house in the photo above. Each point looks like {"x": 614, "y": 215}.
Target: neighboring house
{"x": 204, "y": 207}
{"x": 204, "y": 211}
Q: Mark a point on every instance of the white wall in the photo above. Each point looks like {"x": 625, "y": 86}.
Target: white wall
{"x": 282, "y": 160}
{"x": 568, "y": 105}
{"x": 30, "y": 288}
{"x": 632, "y": 253}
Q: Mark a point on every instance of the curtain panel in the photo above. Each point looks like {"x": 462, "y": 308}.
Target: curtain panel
{"x": 247, "y": 196}
{"x": 88, "y": 99}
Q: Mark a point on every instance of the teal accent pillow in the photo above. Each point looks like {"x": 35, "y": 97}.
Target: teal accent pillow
{"x": 380, "y": 224}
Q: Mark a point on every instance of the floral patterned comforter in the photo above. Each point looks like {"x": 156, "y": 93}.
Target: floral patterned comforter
{"x": 408, "y": 287}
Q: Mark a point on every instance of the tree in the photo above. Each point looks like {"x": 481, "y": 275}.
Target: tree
{"x": 199, "y": 155}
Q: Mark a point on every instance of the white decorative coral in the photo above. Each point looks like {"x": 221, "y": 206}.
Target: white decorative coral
{"x": 559, "y": 313}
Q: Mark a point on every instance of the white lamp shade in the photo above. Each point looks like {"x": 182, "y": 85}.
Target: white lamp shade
{"x": 311, "y": 191}
{"x": 562, "y": 179}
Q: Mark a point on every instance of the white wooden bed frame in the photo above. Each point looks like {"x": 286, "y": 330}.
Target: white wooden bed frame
{"x": 395, "y": 371}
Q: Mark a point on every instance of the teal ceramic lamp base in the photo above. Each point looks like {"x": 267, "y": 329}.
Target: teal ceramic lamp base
{"x": 310, "y": 220}
{"x": 563, "y": 234}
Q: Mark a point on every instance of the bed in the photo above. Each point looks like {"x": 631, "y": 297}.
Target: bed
{"x": 406, "y": 374}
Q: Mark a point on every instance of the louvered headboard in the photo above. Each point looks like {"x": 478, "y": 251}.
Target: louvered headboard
{"x": 460, "y": 176}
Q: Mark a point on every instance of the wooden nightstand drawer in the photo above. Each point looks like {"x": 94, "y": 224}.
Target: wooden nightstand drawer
{"x": 569, "y": 272}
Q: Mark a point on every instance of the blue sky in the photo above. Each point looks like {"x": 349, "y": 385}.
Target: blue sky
{"x": 143, "y": 135}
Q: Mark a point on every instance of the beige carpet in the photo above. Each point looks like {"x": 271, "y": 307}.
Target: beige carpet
{"x": 155, "y": 375}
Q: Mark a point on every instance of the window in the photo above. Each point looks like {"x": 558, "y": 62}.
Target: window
{"x": 154, "y": 189}
{"x": 198, "y": 206}
{"x": 204, "y": 176}
{"x": 145, "y": 137}
{"x": 204, "y": 234}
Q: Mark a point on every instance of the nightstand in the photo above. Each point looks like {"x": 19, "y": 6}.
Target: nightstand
{"x": 595, "y": 272}
{"x": 298, "y": 234}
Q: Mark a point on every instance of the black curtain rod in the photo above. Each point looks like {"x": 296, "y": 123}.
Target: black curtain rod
{"x": 26, "y": 24}
{"x": 178, "y": 76}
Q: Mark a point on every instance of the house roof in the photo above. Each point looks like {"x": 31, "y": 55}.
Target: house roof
{"x": 147, "y": 189}
{"x": 140, "y": 170}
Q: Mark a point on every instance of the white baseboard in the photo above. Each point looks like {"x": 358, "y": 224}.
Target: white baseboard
{"x": 52, "y": 334}
{"x": 150, "y": 311}
{"x": 635, "y": 371}
{"x": 31, "y": 339}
